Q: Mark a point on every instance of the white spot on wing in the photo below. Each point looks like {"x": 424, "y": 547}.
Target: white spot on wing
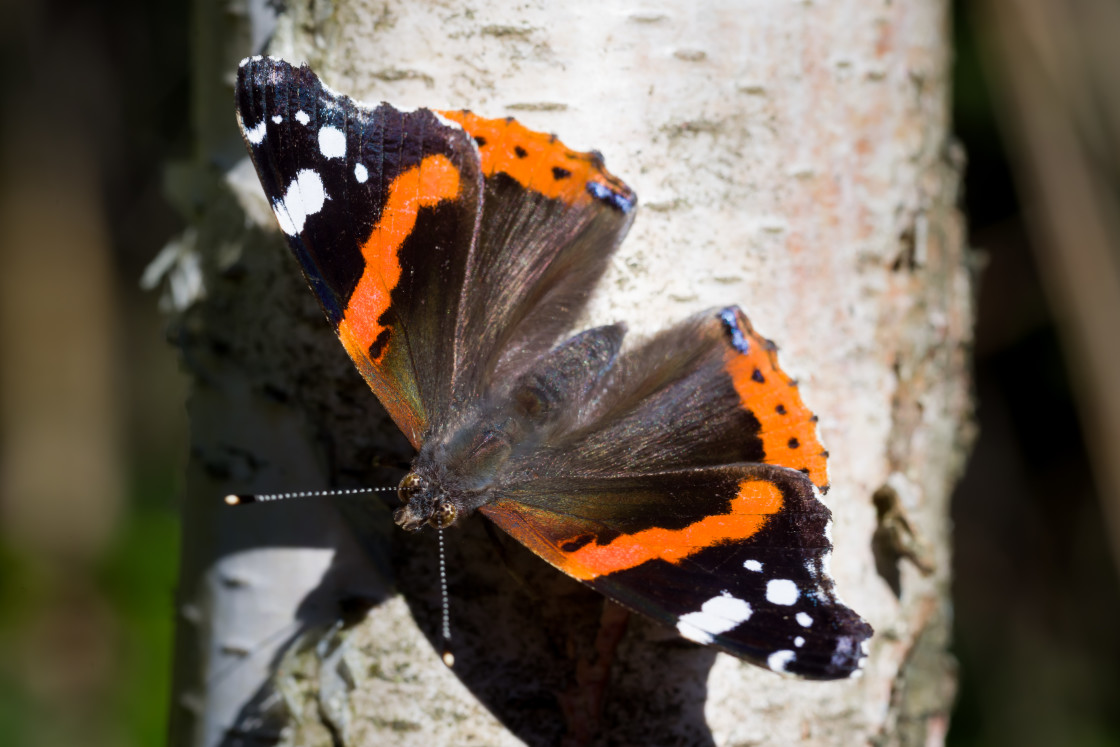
{"x": 332, "y": 142}
{"x": 804, "y": 620}
{"x": 304, "y": 197}
{"x": 302, "y": 118}
{"x": 255, "y": 135}
{"x": 691, "y": 632}
{"x": 277, "y": 119}
{"x": 799, "y": 641}
{"x": 285, "y": 220}
{"x": 782, "y": 591}
{"x": 717, "y": 615}
{"x": 779, "y": 660}
{"x": 361, "y": 173}
{"x": 753, "y": 565}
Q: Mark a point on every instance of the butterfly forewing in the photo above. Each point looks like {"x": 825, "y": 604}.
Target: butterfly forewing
{"x": 734, "y": 556}
{"x": 380, "y": 207}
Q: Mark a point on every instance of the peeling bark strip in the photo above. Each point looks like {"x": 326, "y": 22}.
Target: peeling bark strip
{"x": 799, "y": 160}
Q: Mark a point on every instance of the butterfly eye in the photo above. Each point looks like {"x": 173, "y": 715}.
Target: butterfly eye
{"x": 410, "y": 486}
{"x": 444, "y": 516}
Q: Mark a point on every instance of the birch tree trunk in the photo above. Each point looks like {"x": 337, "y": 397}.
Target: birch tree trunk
{"x": 790, "y": 157}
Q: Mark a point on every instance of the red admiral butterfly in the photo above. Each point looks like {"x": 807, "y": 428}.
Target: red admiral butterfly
{"x": 680, "y": 477}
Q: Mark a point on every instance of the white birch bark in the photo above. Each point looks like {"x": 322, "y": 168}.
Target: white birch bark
{"x": 791, "y": 157}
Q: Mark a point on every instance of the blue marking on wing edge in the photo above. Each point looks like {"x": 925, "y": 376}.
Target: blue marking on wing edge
{"x": 614, "y": 199}
{"x": 738, "y": 340}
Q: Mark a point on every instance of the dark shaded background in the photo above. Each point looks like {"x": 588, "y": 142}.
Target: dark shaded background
{"x": 96, "y": 107}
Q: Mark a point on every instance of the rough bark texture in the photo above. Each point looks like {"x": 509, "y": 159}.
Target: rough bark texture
{"x": 790, "y": 157}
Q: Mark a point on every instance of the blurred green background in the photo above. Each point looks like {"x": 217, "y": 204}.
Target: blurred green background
{"x": 92, "y": 421}
{"x": 97, "y": 104}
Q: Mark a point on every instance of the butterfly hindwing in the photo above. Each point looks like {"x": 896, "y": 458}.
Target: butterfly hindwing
{"x": 707, "y": 391}
{"x": 380, "y": 207}
{"x": 551, "y": 219}
{"x": 688, "y": 490}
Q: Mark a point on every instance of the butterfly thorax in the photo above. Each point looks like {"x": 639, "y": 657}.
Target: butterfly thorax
{"x": 457, "y": 472}
{"x": 451, "y": 478}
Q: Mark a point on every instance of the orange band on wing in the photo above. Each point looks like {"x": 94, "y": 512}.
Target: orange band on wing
{"x": 788, "y": 429}
{"x": 436, "y": 179}
{"x": 750, "y": 509}
{"x": 535, "y": 160}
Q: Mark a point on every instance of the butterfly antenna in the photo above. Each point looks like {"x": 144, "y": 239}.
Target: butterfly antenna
{"x": 447, "y": 656}
{"x": 239, "y": 499}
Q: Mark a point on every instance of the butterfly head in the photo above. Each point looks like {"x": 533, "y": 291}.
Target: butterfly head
{"x": 424, "y": 503}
